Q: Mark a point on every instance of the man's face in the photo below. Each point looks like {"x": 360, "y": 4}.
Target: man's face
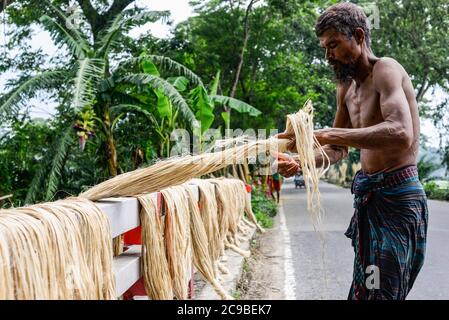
{"x": 341, "y": 54}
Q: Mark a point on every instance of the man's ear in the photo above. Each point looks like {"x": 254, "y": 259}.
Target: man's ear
{"x": 359, "y": 36}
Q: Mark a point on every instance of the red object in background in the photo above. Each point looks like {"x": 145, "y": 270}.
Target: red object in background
{"x": 133, "y": 236}
{"x": 248, "y": 188}
{"x": 137, "y": 289}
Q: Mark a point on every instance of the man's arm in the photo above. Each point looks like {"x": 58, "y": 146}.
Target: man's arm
{"x": 334, "y": 153}
{"x": 397, "y": 128}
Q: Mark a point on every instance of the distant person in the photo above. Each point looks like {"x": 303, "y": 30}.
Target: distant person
{"x": 378, "y": 114}
{"x": 276, "y": 181}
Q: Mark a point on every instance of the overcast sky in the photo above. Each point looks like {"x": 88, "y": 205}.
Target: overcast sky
{"x": 180, "y": 10}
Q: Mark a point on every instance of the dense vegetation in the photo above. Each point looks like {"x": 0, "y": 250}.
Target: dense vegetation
{"x": 118, "y": 98}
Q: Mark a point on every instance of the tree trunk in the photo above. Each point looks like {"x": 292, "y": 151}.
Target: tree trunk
{"x": 246, "y": 33}
{"x": 111, "y": 151}
{"x": 4, "y": 4}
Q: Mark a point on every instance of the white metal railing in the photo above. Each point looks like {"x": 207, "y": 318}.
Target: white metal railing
{"x": 123, "y": 214}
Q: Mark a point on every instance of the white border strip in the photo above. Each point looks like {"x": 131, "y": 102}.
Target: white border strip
{"x": 289, "y": 271}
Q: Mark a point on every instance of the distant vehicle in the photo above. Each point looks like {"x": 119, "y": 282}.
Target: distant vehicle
{"x": 299, "y": 181}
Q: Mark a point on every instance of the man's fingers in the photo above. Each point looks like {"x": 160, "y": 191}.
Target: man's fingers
{"x": 292, "y": 169}
{"x": 287, "y": 168}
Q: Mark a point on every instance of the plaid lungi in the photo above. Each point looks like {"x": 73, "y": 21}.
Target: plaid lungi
{"x": 388, "y": 232}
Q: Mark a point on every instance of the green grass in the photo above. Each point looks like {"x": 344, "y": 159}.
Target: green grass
{"x": 264, "y": 208}
{"x": 237, "y": 295}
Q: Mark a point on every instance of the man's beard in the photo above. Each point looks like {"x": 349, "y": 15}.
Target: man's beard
{"x": 343, "y": 72}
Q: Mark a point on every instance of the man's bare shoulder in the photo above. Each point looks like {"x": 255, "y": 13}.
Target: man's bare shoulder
{"x": 387, "y": 72}
{"x": 386, "y": 65}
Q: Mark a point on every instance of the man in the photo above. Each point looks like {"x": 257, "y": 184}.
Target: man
{"x": 377, "y": 113}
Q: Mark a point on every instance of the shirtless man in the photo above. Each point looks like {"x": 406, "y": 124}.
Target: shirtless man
{"x": 377, "y": 113}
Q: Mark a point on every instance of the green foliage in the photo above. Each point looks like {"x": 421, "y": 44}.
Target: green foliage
{"x": 264, "y": 220}
{"x": 433, "y": 191}
{"x": 426, "y": 167}
{"x": 236, "y": 105}
{"x": 430, "y": 187}
{"x": 415, "y": 33}
{"x": 21, "y": 150}
{"x": 203, "y": 107}
{"x": 139, "y": 90}
{"x": 11, "y": 102}
{"x": 264, "y": 208}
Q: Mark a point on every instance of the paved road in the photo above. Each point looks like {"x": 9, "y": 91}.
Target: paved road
{"x": 327, "y": 273}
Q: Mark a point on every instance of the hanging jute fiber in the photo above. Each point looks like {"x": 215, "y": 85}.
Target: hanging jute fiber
{"x": 209, "y": 216}
{"x": 58, "y": 250}
{"x": 156, "y": 274}
{"x": 200, "y": 245}
{"x": 63, "y": 250}
{"x": 175, "y": 171}
{"x": 301, "y": 125}
{"x": 177, "y": 239}
{"x": 233, "y": 208}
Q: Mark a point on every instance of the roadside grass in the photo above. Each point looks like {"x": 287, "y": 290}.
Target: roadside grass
{"x": 264, "y": 208}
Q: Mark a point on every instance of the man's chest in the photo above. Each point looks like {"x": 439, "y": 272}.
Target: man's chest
{"x": 363, "y": 105}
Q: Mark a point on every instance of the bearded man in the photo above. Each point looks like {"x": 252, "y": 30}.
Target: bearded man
{"x": 377, "y": 113}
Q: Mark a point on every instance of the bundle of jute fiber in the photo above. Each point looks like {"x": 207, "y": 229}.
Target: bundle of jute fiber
{"x": 156, "y": 273}
{"x": 301, "y": 124}
{"x": 238, "y": 189}
{"x": 209, "y": 216}
{"x": 177, "y": 170}
{"x": 245, "y": 208}
{"x": 177, "y": 239}
{"x": 250, "y": 213}
{"x": 6, "y": 277}
{"x": 223, "y": 224}
{"x": 230, "y": 203}
{"x": 59, "y": 250}
{"x": 200, "y": 245}
{"x": 233, "y": 204}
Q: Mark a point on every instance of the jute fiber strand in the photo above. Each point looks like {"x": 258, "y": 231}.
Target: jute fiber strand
{"x": 59, "y": 250}
{"x": 63, "y": 250}
{"x": 177, "y": 239}
{"x": 200, "y": 245}
{"x": 223, "y": 223}
{"x": 6, "y": 277}
{"x": 156, "y": 274}
{"x": 250, "y": 214}
{"x": 233, "y": 208}
{"x": 177, "y": 170}
{"x": 301, "y": 124}
{"x": 209, "y": 216}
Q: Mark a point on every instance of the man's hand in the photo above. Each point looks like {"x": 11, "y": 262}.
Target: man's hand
{"x": 291, "y": 145}
{"x": 286, "y": 165}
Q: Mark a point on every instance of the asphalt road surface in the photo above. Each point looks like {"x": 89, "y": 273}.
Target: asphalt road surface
{"x": 323, "y": 268}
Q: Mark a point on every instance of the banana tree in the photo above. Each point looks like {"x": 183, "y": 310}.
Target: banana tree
{"x": 230, "y": 103}
{"x": 94, "y": 87}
